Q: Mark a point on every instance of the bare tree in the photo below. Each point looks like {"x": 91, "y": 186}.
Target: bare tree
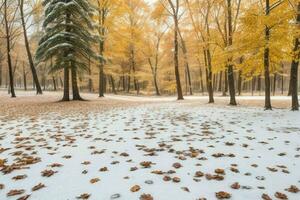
{"x": 11, "y": 32}
{"x": 27, "y": 46}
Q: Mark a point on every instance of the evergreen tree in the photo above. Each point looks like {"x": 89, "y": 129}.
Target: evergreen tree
{"x": 67, "y": 38}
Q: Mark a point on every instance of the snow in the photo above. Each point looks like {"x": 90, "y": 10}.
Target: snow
{"x": 171, "y": 129}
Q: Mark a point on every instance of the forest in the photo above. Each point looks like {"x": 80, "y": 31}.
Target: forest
{"x": 152, "y": 48}
{"x": 149, "y": 99}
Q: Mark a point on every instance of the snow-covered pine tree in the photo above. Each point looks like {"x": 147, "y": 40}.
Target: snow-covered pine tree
{"x": 67, "y": 38}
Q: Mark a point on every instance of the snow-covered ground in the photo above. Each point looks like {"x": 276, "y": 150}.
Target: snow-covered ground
{"x": 171, "y": 151}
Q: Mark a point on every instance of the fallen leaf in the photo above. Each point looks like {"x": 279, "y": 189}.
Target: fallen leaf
{"x": 135, "y": 188}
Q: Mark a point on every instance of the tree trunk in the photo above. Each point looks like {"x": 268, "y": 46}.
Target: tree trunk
{"x": 8, "y": 51}
{"x": 268, "y": 105}
{"x": 225, "y": 89}
{"x": 176, "y": 61}
{"x": 101, "y": 71}
{"x": 154, "y": 75}
{"x": 54, "y": 83}
{"x": 240, "y": 83}
{"x": 201, "y": 81}
{"x": 90, "y": 83}
{"x": 75, "y": 89}
{"x": 66, "y": 96}
{"x": 156, "y": 84}
{"x": 230, "y": 65}
{"x": 128, "y": 81}
{"x": 290, "y": 85}
{"x": 220, "y": 82}
{"x": 24, "y": 78}
{"x": 30, "y": 60}
{"x": 187, "y": 66}
{"x": 294, "y": 69}
{"x": 113, "y": 84}
{"x": 274, "y": 83}
{"x": 207, "y": 59}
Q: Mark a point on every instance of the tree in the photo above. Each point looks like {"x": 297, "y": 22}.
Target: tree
{"x": 202, "y": 28}
{"x": 67, "y": 39}
{"x": 27, "y": 46}
{"x": 295, "y": 64}
{"x": 11, "y": 32}
{"x": 268, "y": 105}
{"x": 102, "y": 12}
{"x": 230, "y": 65}
{"x": 173, "y": 10}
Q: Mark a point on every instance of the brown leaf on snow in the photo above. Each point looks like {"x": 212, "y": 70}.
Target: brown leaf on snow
{"x": 146, "y": 197}
{"x": 235, "y": 186}
{"x": 84, "y": 196}
{"x": 223, "y": 195}
{"x": 235, "y": 170}
{"x": 146, "y": 164}
{"x": 280, "y": 195}
{"x": 15, "y": 192}
{"x": 38, "y": 186}
{"x": 198, "y": 174}
{"x": 214, "y": 177}
{"x": 55, "y": 165}
{"x": 167, "y": 178}
{"x": 103, "y": 169}
{"x": 159, "y": 172}
{"x": 220, "y": 171}
{"x": 24, "y": 197}
{"x": 1, "y": 186}
{"x": 124, "y": 154}
{"x": 86, "y": 163}
{"x": 177, "y": 165}
{"x": 185, "y": 189}
{"x": 135, "y": 188}
{"x": 272, "y": 169}
{"x": 94, "y": 180}
{"x": 67, "y": 156}
{"x": 133, "y": 169}
{"x": 176, "y": 179}
{"x": 47, "y": 173}
{"x": 265, "y": 197}
{"x": 293, "y": 189}
{"x": 19, "y": 177}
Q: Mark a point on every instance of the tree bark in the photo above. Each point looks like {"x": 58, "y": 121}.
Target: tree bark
{"x": 240, "y": 83}
{"x": 24, "y": 78}
{"x": 176, "y": 62}
{"x": 274, "y": 83}
{"x": 268, "y": 105}
{"x": 113, "y": 84}
{"x": 66, "y": 96}
{"x": 101, "y": 70}
{"x": 187, "y": 66}
{"x": 230, "y": 65}
{"x": 220, "y": 82}
{"x": 154, "y": 75}
{"x": 8, "y": 51}
{"x": 201, "y": 81}
{"x": 54, "y": 83}
{"x": 225, "y": 88}
{"x": 29, "y": 55}
{"x": 294, "y": 68}
{"x": 75, "y": 89}
{"x": 207, "y": 59}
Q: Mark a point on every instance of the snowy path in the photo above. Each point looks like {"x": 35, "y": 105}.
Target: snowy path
{"x": 105, "y": 154}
